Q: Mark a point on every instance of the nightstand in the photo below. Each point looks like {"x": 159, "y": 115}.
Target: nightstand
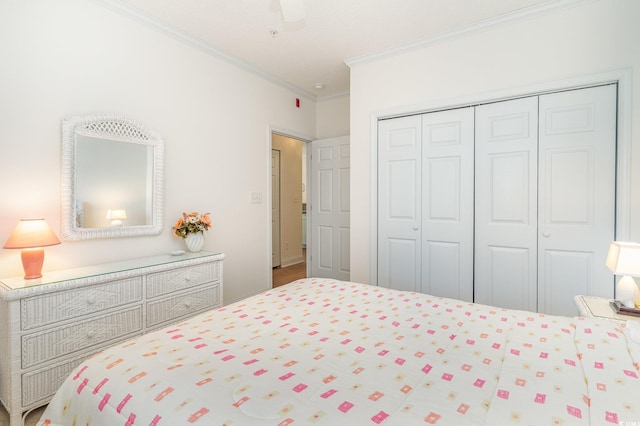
{"x": 592, "y": 306}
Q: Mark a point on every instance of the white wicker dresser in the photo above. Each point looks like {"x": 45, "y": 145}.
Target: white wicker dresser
{"x": 49, "y": 325}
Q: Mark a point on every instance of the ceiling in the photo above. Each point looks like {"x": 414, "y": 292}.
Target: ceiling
{"x": 252, "y": 34}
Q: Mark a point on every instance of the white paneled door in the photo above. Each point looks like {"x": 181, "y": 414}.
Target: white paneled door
{"x": 425, "y": 199}
{"x": 576, "y": 211}
{"x": 509, "y": 203}
{"x": 330, "y": 208}
{"x": 506, "y": 204}
{"x": 447, "y": 203}
{"x": 399, "y": 204}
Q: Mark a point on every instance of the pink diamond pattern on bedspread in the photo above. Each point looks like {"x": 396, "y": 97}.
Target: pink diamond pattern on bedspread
{"x": 320, "y": 351}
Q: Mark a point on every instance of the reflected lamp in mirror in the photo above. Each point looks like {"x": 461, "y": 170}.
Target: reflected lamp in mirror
{"x": 31, "y": 235}
{"x": 116, "y": 216}
{"x": 624, "y": 259}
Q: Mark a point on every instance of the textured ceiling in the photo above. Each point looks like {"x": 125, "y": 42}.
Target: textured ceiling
{"x": 314, "y": 50}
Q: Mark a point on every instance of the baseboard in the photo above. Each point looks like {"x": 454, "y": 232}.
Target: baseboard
{"x": 291, "y": 262}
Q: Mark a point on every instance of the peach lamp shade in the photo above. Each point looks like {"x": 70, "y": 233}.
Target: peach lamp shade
{"x": 31, "y": 235}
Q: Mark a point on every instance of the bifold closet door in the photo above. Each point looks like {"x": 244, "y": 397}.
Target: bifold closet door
{"x": 545, "y": 199}
{"x": 399, "y": 206}
{"x": 447, "y": 203}
{"x": 425, "y": 203}
{"x": 513, "y": 207}
{"x": 506, "y": 204}
{"x": 576, "y": 219}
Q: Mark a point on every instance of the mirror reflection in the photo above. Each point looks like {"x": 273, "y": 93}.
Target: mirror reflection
{"x": 113, "y": 183}
{"x": 111, "y": 178}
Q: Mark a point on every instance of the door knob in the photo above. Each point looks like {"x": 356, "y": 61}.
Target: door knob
{"x": 546, "y": 234}
{"x": 415, "y": 228}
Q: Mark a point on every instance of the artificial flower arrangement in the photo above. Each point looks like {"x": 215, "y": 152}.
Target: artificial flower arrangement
{"x": 191, "y": 223}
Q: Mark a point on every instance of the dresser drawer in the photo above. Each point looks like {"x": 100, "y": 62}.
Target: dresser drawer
{"x": 39, "y": 385}
{"x": 183, "y": 305}
{"x": 50, "y": 344}
{"x": 163, "y": 283}
{"x": 51, "y": 308}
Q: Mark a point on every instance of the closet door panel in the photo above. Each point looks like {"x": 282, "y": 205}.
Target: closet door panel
{"x": 447, "y": 203}
{"x": 571, "y": 271}
{"x": 444, "y": 180}
{"x": 399, "y": 205}
{"x": 401, "y": 176}
{"x": 505, "y": 204}
{"x": 509, "y": 275}
{"x": 403, "y": 264}
{"x": 570, "y": 188}
{"x": 577, "y": 195}
{"x": 509, "y": 187}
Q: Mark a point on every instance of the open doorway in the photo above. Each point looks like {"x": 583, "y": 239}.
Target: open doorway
{"x": 288, "y": 209}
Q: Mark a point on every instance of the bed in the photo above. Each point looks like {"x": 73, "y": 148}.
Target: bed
{"x": 320, "y": 351}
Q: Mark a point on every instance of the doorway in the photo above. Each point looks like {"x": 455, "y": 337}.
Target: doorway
{"x": 288, "y": 200}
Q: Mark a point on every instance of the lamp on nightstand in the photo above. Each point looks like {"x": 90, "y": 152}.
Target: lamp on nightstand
{"x": 624, "y": 259}
{"x": 31, "y": 235}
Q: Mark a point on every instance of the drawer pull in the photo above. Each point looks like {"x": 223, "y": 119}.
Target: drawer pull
{"x": 187, "y": 304}
{"x": 91, "y": 301}
{"x": 188, "y": 279}
{"x": 91, "y": 334}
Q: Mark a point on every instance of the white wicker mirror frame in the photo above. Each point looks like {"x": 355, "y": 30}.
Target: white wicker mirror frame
{"x": 108, "y": 127}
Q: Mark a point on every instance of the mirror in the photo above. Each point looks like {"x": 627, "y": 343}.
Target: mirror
{"x": 111, "y": 178}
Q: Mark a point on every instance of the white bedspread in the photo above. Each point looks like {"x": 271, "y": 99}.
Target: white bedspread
{"x": 338, "y": 353}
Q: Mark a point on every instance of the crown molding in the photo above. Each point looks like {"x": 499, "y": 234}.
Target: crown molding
{"x": 333, "y": 96}
{"x": 546, "y": 8}
{"x": 179, "y": 35}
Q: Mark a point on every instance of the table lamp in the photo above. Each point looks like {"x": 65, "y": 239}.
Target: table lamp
{"x": 624, "y": 259}
{"x": 116, "y": 216}
{"x": 31, "y": 235}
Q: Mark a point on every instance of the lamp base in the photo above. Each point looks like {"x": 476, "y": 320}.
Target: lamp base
{"x": 627, "y": 291}
{"x": 32, "y": 260}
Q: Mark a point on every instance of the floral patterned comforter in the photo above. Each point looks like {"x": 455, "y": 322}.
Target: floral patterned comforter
{"x": 320, "y": 351}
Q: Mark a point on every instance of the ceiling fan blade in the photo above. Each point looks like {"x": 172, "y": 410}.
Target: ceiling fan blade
{"x": 292, "y": 10}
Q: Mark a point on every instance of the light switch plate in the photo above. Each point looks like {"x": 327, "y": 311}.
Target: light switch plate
{"x": 256, "y": 197}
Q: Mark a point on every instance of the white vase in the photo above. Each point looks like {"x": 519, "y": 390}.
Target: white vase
{"x": 194, "y": 242}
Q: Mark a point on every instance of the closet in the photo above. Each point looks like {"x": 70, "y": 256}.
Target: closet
{"x": 508, "y": 203}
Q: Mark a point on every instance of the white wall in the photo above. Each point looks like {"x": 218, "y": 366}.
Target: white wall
{"x": 73, "y": 57}
{"x": 332, "y": 117}
{"x": 596, "y": 37}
